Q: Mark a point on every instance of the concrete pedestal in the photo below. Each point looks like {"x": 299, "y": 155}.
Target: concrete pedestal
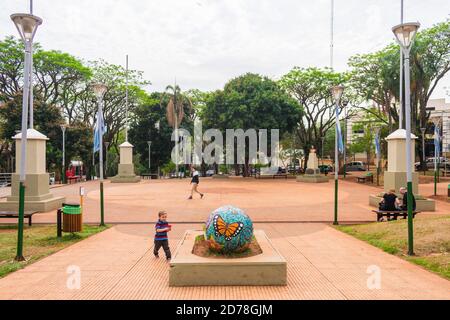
{"x": 266, "y": 269}
{"x": 37, "y": 190}
{"x": 395, "y": 176}
{"x": 312, "y": 173}
{"x": 126, "y": 167}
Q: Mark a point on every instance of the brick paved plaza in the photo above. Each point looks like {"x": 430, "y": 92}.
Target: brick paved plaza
{"x": 322, "y": 263}
{"x": 264, "y": 200}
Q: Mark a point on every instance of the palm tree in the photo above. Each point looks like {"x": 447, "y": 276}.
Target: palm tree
{"x": 175, "y": 111}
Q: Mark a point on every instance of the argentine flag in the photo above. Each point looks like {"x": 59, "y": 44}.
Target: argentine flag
{"x": 437, "y": 142}
{"x": 339, "y": 133}
{"x": 99, "y": 129}
{"x": 377, "y": 145}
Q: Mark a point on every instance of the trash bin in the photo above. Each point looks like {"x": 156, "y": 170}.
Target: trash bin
{"x": 448, "y": 192}
{"x": 72, "y": 218}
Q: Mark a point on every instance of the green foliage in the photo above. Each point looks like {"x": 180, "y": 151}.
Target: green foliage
{"x": 143, "y": 128}
{"x": 375, "y": 76}
{"x": 311, "y": 88}
{"x": 250, "y": 101}
{"x": 168, "y": 168}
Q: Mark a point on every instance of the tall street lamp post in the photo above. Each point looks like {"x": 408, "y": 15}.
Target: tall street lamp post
{"x": 323, "y": 141}
{"x": 344, "y": 105}
{"x": 106, "y": 156}
{"x": 100, "y": 90}
{"x": 405, "y": 33}
{"x": 63, "y": 129}
{"x": 424, "y": 164}
{"x": 149, "y": 155}
{"x": 336, "y": 92}
{"x": 27, "y": 25}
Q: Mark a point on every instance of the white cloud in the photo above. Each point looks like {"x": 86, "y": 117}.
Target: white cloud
{"x": 203, "y": 43}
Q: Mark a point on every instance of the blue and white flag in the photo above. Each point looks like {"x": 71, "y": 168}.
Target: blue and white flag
{"x": 99, "y": 129}
{"x": 437, "y": 141}
{"x": 339, "y": 133}
{"x": 377, "y": 145}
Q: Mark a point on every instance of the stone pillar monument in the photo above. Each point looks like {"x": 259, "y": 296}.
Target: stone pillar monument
{"x": 126, "y": 166}
{"x": 37, "y": 190}
{"x": 312, "y": 173}
{"x": 395, "y": 176}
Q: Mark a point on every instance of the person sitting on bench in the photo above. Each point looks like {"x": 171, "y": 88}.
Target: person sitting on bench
{"x": 389, "y": 202}
{"x": 404, "y": 205}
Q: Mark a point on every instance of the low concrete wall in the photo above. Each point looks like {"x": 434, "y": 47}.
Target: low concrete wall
{"x": 187, "y": 269}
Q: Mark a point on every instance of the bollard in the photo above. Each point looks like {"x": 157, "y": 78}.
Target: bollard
{"x": 59, "y": 223}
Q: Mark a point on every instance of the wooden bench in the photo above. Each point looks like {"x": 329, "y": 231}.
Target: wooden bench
{"x": 276, "y": 175}
{"x": 364, "y": 179}
{"x": 395, "y": 214}
{"x": 149, "y": 176}
{"x": 12, "y": 214}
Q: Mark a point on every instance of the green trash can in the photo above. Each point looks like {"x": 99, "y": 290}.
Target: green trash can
{"x": 72, "y": 218}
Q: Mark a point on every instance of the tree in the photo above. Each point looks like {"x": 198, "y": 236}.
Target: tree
{"x": 311, "y": 88}
{"x": 375, "y": 76}
{"x": 47, "y": 121}
{"x": 143, "y": 128}
{"x": 177, "y": 106}
{"x": 11, "y": 67}
{"x": 251, "y": 101}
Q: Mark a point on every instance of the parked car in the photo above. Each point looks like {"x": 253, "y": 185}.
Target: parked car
{"x": 442, "y": 162}
{"x": 210, "y": 173}
{"x": 355, "y": 166}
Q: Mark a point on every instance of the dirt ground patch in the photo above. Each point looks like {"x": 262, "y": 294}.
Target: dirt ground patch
{"x": 201, "y": 249}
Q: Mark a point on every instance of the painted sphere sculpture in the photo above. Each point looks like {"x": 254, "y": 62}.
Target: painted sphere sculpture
{"x": 229, "y": 229}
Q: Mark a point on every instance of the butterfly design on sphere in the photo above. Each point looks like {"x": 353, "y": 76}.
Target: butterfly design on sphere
{"x": 228, "y": 230}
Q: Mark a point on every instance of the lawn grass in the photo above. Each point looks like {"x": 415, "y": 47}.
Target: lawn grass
{"x": 39, "y": 242}
{"x": 431, "y": 240}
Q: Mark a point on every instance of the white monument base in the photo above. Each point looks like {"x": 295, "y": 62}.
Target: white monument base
{"x": 126, "y": 174}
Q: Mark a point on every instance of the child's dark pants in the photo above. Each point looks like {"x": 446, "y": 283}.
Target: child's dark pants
{"x": 165, "y": 245}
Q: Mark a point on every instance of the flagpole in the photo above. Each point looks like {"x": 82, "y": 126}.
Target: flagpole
{"x": 400, "y": 117}
{"x": 31, "y": 115}
{"x": 332, "y": 34}
{"x": 126, "y": 101}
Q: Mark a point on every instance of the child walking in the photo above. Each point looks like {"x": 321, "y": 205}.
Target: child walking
{"x": 161, "y": 238}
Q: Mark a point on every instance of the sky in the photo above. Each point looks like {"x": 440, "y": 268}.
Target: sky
{"x": 204, "y": 43}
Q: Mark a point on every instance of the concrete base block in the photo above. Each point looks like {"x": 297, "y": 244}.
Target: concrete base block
{"x": 187, "y": 269}
{"x": 396, "y": 180}
{"x": 312, "y": 178}
{"x": 125, "y": 179}
{"x": 422, "y": 204}
{"x": 220, "y": 176}
{"x": 50, "y": 204}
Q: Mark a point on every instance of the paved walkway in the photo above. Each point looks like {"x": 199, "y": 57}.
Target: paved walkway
{"x": 322, "y": 264}
{"x": 264, "y": 200}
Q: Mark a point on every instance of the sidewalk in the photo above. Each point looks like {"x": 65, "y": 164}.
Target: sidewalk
{"x": 322, "y": 264}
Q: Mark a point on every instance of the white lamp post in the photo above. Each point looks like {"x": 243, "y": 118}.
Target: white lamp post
{"x": 63, "y": 129}
{"x": 149, "y": 154}
{"x": 405, "y": 33}
{"x": 100, "y": 90}
{"x": 27, "y": 25}
{"x": 336, "y": 92}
